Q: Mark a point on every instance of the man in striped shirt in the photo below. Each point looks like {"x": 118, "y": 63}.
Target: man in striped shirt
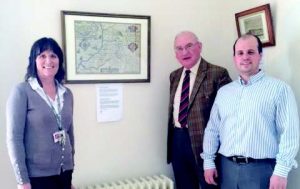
{"x": 254, "y": 126}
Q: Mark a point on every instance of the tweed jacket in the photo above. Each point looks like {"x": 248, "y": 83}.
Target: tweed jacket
{"x": 208, "y": 80}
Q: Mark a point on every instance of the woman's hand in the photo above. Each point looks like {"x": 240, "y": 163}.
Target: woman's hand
{"x": 24, "y": 186}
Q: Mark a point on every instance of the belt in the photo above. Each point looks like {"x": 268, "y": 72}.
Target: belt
{"x": 246, "y": 160}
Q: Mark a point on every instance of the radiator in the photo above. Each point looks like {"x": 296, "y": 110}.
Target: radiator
{"x": 149, "y": 182}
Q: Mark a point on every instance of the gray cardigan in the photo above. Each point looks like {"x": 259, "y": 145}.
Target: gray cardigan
{"x": 30, "y": 127}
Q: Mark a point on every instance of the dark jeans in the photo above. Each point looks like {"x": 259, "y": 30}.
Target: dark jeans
{"x": 255, "y": 175}
{"x": 62, "y": 181}
{"x": 188, "y": 175}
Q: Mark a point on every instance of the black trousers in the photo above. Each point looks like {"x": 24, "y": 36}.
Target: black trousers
{"x": 62, "y": 181}
{"x": 188, "y": 175}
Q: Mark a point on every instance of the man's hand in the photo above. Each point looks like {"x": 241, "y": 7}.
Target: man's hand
{"x": 24, "y": 186}
{"x": 210, "y": 175}
{"x": 278, "y": 182}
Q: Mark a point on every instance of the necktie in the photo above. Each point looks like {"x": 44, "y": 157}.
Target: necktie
{"x": 184, "y": 100}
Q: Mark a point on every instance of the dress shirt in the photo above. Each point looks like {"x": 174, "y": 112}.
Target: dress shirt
{"x": 176, "y": 104}
{"x": 258, "y": 120}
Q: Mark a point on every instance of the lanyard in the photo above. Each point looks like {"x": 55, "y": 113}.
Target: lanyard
{"x": 56, "y": 115}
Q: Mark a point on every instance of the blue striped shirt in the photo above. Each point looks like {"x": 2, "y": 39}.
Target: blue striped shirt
{"x": 258, "y": 120}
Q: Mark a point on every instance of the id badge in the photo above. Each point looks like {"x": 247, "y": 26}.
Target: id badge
{"x": 59, "y": 136}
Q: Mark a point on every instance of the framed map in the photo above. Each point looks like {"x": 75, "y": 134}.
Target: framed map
{"x": 106, "y": 48}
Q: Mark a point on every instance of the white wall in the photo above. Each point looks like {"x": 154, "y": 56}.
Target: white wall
{"x": 137, "y": 144}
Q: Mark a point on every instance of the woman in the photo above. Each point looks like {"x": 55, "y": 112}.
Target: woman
{"x": 39, "y": 112}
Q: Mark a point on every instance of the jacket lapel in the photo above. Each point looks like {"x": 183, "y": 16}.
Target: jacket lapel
{"x": 175, "y": 84}
{"x": 201, "y": 74}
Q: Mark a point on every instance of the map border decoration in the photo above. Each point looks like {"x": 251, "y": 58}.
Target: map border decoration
{"x": 266, "y": 19}
{"x": 68, "y": 19}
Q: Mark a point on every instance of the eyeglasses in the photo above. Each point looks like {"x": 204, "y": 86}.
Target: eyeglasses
{"x": 187, "y": 47}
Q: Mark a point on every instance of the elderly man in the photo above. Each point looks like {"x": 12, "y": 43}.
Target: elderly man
{"x": 193, "y": 88}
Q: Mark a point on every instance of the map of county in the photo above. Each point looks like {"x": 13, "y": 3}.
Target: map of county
{"x": 107, "y": 48}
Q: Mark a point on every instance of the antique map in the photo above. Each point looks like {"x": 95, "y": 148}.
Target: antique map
{"x": 107, "y": 48}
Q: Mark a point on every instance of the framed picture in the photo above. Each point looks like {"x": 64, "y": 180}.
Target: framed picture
{"x": 106, "y": 48}
{"x": 257, "y": 21}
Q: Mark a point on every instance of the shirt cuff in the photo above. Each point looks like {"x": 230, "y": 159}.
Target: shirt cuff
{"x": 209, "y": 164}
{"x": 281, "y": 170}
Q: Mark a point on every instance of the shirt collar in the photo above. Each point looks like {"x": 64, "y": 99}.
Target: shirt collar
{"x": 36, "y": 86}
{"x": 193, "y": 69}
{"x": 252, "y": 79}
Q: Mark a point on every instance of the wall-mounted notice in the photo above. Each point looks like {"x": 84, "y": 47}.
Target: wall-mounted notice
{"x": 109, "y": 102}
